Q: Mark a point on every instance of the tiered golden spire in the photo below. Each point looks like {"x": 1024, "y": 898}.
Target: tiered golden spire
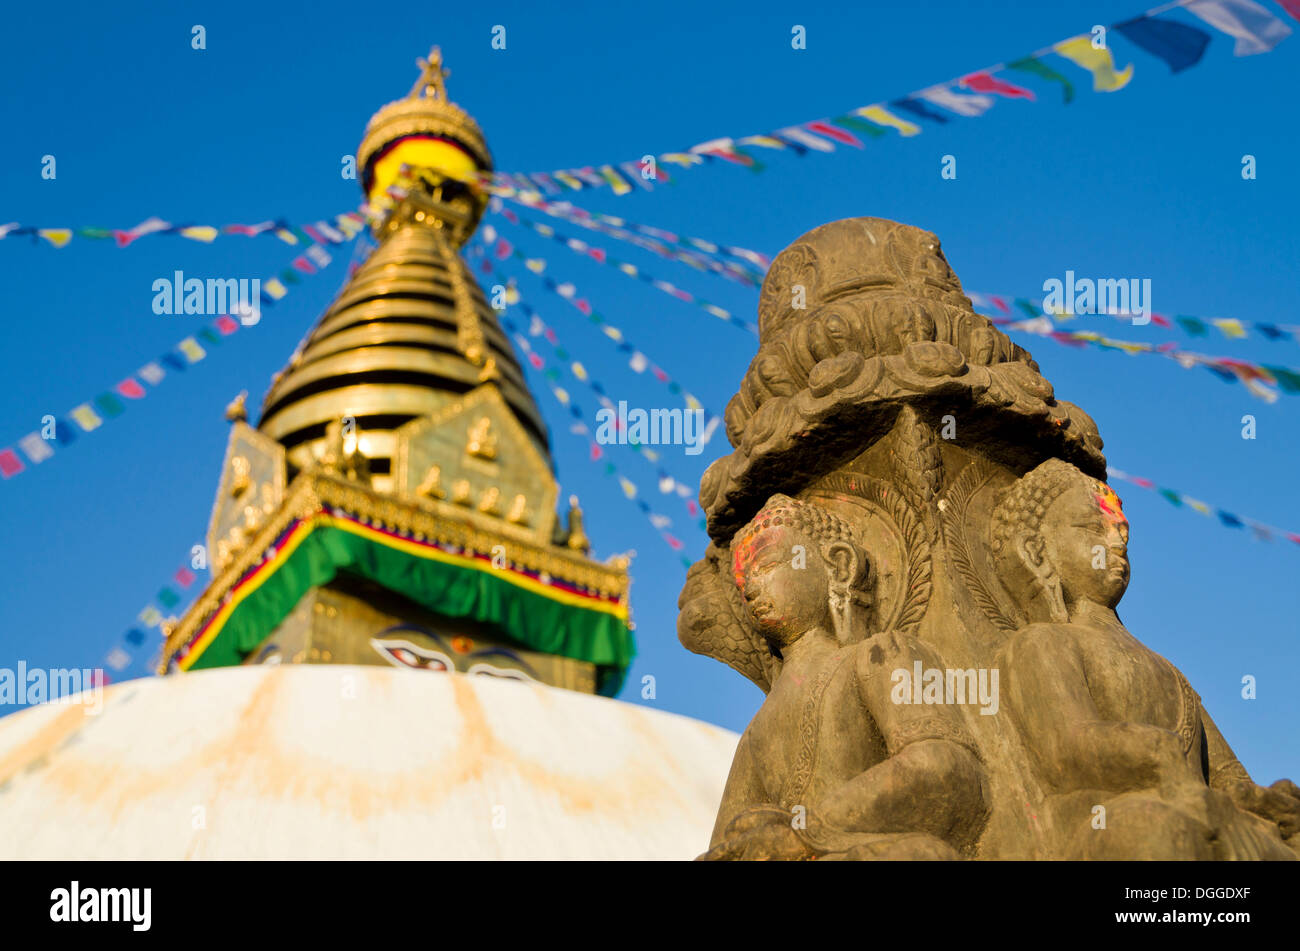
{"x": 412, "y": 330}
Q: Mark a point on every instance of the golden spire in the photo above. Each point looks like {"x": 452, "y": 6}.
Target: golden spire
{"x": 440, "y": 147}
{"x": 432, "y": 82}
{"x": 412, "y": 330}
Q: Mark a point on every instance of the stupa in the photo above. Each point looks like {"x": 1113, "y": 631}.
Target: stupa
{"x": 401, "y": 648}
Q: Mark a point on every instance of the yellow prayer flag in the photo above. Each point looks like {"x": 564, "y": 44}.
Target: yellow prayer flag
{"x": 1099, "y": 62}
{"x": 56, "y": 236}
{"x": 200, "y": 233}
{"x": 1230, "y": 327}
{"x": 882, "y": 116}
{"x": 190, "y": 347}
{"x": 684, "y": 159}
{"x": 616, "y": 181}
{"x": 274, "y": 288}
{"x": 86, "y": 417}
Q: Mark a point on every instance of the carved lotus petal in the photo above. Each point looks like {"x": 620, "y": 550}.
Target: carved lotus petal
{"x": 931, "y": 358}
{"x": 834, "y": 372}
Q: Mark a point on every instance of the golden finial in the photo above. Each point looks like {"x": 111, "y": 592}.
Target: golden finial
{"x": 431, "y": 486}
{"x": 578, "y": 539}
{"x": 236, "y": 412}
{"x": 480, "y": 441}
{"x": 432, "y": 82}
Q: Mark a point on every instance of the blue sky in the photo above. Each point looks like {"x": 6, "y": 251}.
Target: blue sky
{"x": 1143, "y": 183}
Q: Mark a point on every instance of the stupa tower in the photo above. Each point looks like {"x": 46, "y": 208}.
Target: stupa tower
{"x": 396, "y": 503}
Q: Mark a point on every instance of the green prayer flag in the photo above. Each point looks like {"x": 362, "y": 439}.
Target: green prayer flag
{"x": 168, "y": 598}
{"x": 1171, "y": 495}
{"x": 289, "y": 276}
{"x": 1028, "y": 307}
{"x": 109, "y": 404}
{"x": 1036, "y": 67}
{"x": 1289, "y": 380}
{"x": 860, "y": 125}
{"x": 1197, "y": 328}
{"x": 211, "y": 336}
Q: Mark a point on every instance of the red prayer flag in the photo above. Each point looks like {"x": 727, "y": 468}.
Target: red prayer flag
{"x": 302, "y": 264}
{"x": 10, "y": 464}
{"x": 184, "y": 577}
{"x": 1000, "y": 304}
{"x": 583, "y": 305}
{"x": 131, "y": 389}
{"x": 834, "y": 132}
{"x": 227, "y": 325}
{"x": 984, "y": 82}
{"x": 676, "y": 545}
{"x": 1291, "y": 6}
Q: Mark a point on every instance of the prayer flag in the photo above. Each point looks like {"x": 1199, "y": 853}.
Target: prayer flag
{"x": 36, "y": 447}
{"x": 956, "y": 102}
{"x": 1179, "y": 45}
{"x": 1036, "y": 67}
{"x": 1080, "y": 51}
{"x": 985, "y": 82}
{"x": 1256, "y": 30}
{"x": 10, "y": 464}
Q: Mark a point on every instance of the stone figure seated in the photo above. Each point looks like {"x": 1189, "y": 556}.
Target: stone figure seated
{"x": 1108, "y": 721}
{"x": 831, "y": 766}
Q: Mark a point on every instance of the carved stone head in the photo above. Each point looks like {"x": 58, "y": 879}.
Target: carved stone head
{"x": 796, "y": 565}
{"x": 1060, "y": 537}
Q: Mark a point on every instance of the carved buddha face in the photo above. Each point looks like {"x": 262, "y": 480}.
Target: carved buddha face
{"x": 1085, "y": 535}
{"x": 784, "y": 580}
{"x": 790, "y": 578}
{"x": 1061, "y": 538}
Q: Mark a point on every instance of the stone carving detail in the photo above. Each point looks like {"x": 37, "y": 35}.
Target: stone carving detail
{"x": 933, "y": 619}
{"x": 956, "y": 514}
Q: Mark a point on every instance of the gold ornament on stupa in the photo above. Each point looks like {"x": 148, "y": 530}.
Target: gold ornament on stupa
{"x": 400, "y": 468}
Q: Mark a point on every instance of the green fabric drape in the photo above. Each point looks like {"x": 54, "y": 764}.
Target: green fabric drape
{"x": 532, "y": 619}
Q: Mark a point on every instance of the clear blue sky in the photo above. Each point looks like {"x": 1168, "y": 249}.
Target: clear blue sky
{"x": 1142, "y": 183}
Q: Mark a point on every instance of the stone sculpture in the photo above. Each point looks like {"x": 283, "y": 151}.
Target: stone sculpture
{"x": 908, "y": 513}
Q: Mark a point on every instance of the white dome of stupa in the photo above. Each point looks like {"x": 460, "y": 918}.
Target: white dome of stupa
{"x": 329, "y": 761}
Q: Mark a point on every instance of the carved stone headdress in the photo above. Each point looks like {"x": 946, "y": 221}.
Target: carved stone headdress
{"x": 883, "y": 325}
